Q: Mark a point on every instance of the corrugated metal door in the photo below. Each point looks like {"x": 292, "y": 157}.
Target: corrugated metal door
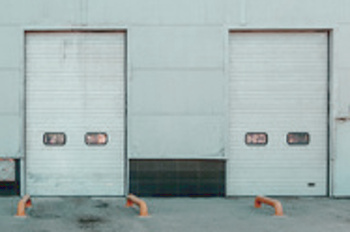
{"x": 278, "y": 86}
{"x": 75, "y": 86}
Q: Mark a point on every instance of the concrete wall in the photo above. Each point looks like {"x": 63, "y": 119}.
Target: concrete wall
{"x": 177, "y": 67}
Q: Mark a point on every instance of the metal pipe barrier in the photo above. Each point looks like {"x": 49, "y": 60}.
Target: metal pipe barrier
{"x": 132, "y": 199}
{"x": 24, "y": 203}
{"x": 269, "y": 201}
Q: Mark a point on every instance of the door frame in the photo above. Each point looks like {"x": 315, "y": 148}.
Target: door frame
{"x": 330, "y": 96}
{"x": 27, "y": 30}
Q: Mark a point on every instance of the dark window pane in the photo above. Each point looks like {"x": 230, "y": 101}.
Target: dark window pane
{"x": 96, "y": 138}
{"x": 298, "y": 138}
{"x": 54, "y": 139}
{"x": 256, "y": 138}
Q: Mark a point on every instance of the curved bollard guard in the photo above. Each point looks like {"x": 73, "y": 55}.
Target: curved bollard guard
{"x": 132, "y": 199}
{"x": 269, "y": 201}
{"x": 24, "y": 203}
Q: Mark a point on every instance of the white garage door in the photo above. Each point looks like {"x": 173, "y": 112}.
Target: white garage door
{"x": 75, "y": 113}
{"x": 278, "y": 113}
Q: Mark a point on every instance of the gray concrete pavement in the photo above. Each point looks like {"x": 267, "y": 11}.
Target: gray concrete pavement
{"x": 176, "y": 214}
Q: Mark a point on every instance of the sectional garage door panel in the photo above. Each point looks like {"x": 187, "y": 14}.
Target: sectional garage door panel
{"x": 278, "y": 84}
{"x": 75, "y": 85}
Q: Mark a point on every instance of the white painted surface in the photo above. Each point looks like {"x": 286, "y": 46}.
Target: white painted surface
{"x": 278, "y": 84}
{"x": 75, "y": 85}
{"x": 190, "y": 44}
{"x": 341, "y": 105}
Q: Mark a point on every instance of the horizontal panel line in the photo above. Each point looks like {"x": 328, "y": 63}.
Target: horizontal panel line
{"x": 179, "y": 68}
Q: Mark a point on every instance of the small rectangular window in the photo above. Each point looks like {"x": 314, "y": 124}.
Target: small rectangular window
{"x": 256, "y": 138}
{"x": 54, "y": 139}
{"x": 298, "y": 138}
{"x": 7, "y": 170}
{"x": 96, "y": 138}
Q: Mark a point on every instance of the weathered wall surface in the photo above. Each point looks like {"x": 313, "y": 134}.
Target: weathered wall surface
{"x": 177, "y": 67}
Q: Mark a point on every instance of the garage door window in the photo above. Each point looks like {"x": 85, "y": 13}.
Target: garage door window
{"x": 93, "y": 138}
{"x": 298, "y": 138}
{"x": 54, "y": 139}
{"x": 256, "y": 138}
